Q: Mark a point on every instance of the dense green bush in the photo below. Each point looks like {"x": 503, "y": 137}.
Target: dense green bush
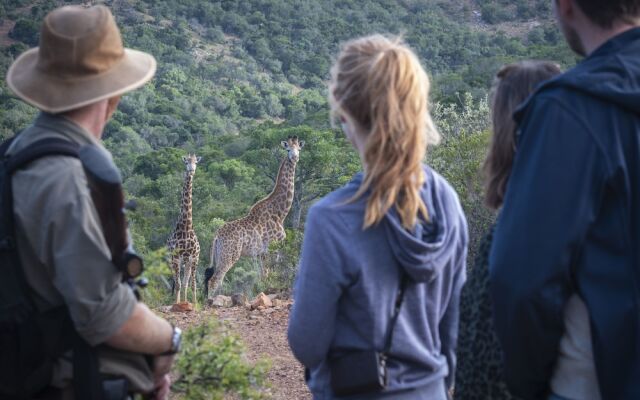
{"x": 459, "y": 158}
{"x": 281, "y": 264}
{"x": 158, "y": 274}
{"x": 496, "y": 11}
{"x": 27, "y": 31}
{"x": 212, "y": 364}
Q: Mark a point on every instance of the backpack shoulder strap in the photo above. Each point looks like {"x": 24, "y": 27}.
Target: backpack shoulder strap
{"x": 39, "y": 149}
{"x": 9, "y": 164}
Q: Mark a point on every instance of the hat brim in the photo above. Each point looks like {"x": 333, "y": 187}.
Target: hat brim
{"x": 55, "y": 94}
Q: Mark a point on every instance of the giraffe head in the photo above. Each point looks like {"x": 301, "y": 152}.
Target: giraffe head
{"x": 190, "y": 162}
{"x": 293, "y": 146}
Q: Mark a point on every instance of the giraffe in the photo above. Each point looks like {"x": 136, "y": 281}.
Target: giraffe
{"x": 183, "y": 243}
{"x": 251, "y": 235}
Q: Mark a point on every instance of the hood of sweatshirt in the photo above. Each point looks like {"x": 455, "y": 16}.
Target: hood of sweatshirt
{"x": 424, "y": 250}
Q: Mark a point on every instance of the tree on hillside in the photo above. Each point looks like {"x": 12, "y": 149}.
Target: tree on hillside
{"x": 465, "y": 140}
{"x": 27, "y": 31}
{"x": 326, "y": 162}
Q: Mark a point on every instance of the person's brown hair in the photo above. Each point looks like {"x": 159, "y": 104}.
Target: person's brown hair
{"x": 379, "y": 82}
{"x": 512, "y": 85}
{"x": 606, "y": 12}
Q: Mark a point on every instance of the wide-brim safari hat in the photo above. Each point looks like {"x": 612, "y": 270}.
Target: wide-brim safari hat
{"x": 80, "y": 60}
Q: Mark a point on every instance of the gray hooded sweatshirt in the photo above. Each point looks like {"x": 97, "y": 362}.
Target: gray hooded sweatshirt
{"x": 349, "y": 278}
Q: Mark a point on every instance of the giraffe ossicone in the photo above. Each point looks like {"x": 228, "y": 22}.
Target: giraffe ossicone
{"x": 252, "y": 234}
{"x": 183, "y": 245}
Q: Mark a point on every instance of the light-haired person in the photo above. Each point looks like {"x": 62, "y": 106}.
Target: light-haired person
{"x": 76, "y": 77}
{"x": 383, "y": 259}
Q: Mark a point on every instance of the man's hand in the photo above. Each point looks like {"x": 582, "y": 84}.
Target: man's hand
{"x": 161, "y": 368}
{"x": 162, "y": 388}
{"x": 162, "y": 365}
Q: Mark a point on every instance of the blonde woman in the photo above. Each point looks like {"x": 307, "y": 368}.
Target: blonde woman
{"x": 383, "y": 259}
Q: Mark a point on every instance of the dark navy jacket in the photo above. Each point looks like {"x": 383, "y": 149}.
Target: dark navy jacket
{"x": 571, "y": 223}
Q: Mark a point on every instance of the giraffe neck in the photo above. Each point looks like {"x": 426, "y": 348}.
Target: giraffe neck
{"x": 282, "y": 196}
{"x": 185, "y": 221}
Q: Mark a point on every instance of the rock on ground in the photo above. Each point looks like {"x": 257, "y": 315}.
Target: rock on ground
{"x": 262, "y": 300}
{"x": 220, "y": 301}
{"x": 182, "y": 307}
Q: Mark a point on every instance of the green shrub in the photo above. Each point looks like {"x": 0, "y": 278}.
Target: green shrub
{"x": 281, "y": 263}
{"x": 157, "y": 271}
{"x": 212, "y": 364}
{"x": 27, "y": 31}
{"x": 242, "y": 277}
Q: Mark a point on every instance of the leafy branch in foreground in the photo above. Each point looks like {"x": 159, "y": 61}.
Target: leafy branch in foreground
{"x": 212, "y": 364}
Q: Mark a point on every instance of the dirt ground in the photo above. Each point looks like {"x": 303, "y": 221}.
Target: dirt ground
{"x": 265, "y": 335}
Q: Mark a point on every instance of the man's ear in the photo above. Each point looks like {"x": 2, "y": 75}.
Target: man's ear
{"x": 112, "y": 106}
{"x": 285, "y": 144}
{"x": 301, "y": 143}
{"x": 565, "y": 8}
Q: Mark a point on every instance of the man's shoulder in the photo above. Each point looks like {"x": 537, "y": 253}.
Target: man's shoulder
{"x": 563, "y": 101}
{"x": 557, "y": 95}
{"x": 54, "y": 181}
{"x": 51, "y": 170}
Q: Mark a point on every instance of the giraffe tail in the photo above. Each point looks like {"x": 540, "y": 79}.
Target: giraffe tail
{"x": 208, "y": 273}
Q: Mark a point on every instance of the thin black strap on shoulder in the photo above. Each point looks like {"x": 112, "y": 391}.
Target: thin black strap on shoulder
{"x": 4, "y": 146}
{"x": 39, "y": 149}
{"x": 404, "y": 279}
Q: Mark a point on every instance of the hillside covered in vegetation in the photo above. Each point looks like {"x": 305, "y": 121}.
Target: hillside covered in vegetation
{"x": 236, "y": 77}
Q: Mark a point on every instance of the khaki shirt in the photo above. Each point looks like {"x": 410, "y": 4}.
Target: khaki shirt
{"x": 64, "y": 254}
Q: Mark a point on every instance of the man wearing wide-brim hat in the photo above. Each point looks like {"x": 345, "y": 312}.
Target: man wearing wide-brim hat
{"x": 76, "y": 77}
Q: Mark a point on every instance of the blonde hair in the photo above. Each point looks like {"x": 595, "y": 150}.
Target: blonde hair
{"x": 379, "y": 82}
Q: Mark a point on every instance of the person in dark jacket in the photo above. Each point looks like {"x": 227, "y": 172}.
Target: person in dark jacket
{"x": 398, "y": 218}
{"x": 565, "y": 261}
{"x": 479, "y": 375}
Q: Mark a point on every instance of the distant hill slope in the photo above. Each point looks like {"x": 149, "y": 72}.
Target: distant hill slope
{"x": 233, "y": 62}
{"x": 235, "y": 77}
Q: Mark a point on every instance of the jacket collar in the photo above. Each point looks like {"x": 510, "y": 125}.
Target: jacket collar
{"x": 614, "y": 44}
{"x": 65, "y": 127}
{"x": 608, "y": 48}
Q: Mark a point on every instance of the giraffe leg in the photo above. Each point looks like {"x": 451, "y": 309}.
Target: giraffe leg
{"x": 216, "y": 283}
{"x": 194, "y": 269}
{"x": 175, "y": 265}
{"x": 225, "y": 259}
{"x": 187, "y": 276}
{"x": 259, "y": 259}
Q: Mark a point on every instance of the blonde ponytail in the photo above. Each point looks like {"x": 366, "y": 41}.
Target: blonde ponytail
{"x": 380, "y": 83}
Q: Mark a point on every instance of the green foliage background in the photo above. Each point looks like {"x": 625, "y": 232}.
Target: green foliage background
{"x": 236, "y": 77}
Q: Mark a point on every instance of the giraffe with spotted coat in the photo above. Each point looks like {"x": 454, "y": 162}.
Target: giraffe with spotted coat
{"x": 183, "y": 244}
{"x": 252, "y": 234}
